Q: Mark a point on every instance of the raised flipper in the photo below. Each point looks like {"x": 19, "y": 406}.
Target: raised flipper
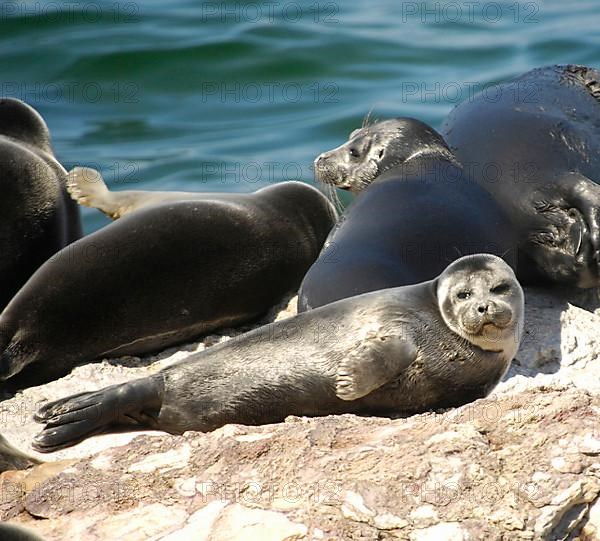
{"x": 87, "y": 187}
{"x": 378, "y": 361}
{"x": 75, "y": 418}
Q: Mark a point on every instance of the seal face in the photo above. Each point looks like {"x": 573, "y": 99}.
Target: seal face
{"x": 482, "y": 302}
{"x": 373, "y": 150}
{"x": 37, "y": 217}
{"x": 162, "y": 275}
{"x": 414, "y": 213}
{"x": 396, "y": 351}
{"x": 536, "y": 148}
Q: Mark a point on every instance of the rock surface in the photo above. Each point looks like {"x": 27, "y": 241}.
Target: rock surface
{"x": 523, "y": 463}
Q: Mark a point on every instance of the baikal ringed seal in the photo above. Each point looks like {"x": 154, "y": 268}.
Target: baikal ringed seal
{"x": 414, "y": 213}
{"x": 436, "y": 344}
{"x": 38, "y": 217}
{"x": 534, "y": 144}
{"x": 160, "y": 276}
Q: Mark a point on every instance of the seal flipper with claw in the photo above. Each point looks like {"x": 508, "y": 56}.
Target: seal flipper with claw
{"x": 75, "y": 418}
{"x": 359, "y": 374}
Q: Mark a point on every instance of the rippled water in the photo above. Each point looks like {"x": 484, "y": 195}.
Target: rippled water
{"x": 234, "y": 95}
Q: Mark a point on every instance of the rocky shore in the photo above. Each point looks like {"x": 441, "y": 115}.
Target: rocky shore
{"x": 523, "y": 463}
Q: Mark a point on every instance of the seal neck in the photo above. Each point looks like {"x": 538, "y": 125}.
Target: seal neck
{"x": 427, "y": 163}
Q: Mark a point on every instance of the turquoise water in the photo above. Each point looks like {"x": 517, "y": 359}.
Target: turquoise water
{"x": 230, "y": 96}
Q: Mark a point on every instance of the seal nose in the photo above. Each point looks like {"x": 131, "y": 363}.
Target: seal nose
{"x": 483, "y": 308}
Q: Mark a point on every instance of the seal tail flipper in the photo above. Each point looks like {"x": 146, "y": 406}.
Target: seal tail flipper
{"x": 87, "y": 187}
{"x": 70, "y": 420}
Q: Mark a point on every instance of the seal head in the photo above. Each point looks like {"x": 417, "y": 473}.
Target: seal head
{"x": 22, "y": 122}
{"x": 536, "y": 149}
{"x": 375, "y": 149}
{"x": 481, "y": 301}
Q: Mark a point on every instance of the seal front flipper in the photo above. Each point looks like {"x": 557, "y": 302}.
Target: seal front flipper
{"x": 379, "y": 360}
{"x": 584, "y": 195}
{"x": 75, "y": 418}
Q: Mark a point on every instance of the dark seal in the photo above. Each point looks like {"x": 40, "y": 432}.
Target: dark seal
{"x": 534, "y": 143}
{"x": 38, "y": 217}
{"x": 414, "y": 213}
{"x": 436, "y": 344}
{"x": 13, "y": 459}
{"x": 162, "y": 275}
{"x": 16, "y": 532}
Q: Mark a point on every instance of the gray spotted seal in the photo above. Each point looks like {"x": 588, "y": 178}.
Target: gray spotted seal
{"x": 37, "y": 216}
{"x": 534, "y": 144}
{"x": 160, "y": 276}
{"x": 414, "y": 213}
{"x": 403, "y": 350}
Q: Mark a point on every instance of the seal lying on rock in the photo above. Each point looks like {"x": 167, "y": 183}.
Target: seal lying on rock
{"x": 37, "y": 216}
{"x": 534, "y": 144}
{"x": 161, "y": 276}
{"x": 415, "y": 212}
{"x": 436, "y": 344}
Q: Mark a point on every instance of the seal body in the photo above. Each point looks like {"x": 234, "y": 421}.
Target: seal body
{"x": 414, "y": 213}
{"x": 403, "y": 350}
{"x": 37, "y": 216}
{"x": 13, "y": 459}
{"x": 160, "y": 276}
{"x": 534, "y": 144}
{"x": 16, "y": 532}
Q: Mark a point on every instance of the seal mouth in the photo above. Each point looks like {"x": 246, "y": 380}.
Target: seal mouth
{"x": 332, "y": 176}
{"x": 586, "y": 267}
{"x": 486, "y": 324}
{"x": 486, "y": 328}
{"x": 563, "y": 249}
{"x": 578, "y": 235}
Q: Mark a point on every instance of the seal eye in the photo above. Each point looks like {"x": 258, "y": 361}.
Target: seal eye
{"x": 501, "y": 288}
{"x": 462, "y": 295}
{"x": 381, "y": 153}
{"x": 353, "y": 152}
